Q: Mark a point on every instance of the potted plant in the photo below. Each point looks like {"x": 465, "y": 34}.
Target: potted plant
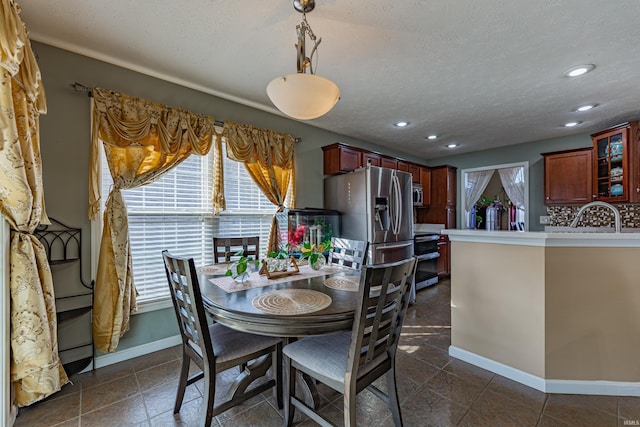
{"x": 278, "y": 261}
{"x": 315, "y": 254}
{"x": 241, "y": 268}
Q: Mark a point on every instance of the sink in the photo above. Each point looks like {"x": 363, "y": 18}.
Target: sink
{"x": 567, "y": 229}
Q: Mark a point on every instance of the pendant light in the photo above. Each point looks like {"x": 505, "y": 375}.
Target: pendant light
{"x": 304, "y": 95}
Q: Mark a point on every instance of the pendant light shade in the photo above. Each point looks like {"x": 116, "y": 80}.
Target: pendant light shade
{"x": 303, "y": 96}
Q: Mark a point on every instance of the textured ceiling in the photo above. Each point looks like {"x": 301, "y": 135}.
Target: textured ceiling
{"x": 477, "y": 73}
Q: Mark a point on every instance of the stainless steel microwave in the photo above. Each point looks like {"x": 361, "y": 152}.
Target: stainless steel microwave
{"x": 418, "y": 195}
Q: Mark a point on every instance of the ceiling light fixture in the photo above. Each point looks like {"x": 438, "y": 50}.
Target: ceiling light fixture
{"x": 432, "y": 137}
{"x": 452, "y": 145}
{"x": 401, "y": 124}
{"x": 303, "y": 95}
{"x": 579, "y": 70}
{"x": 585, "y": 108}
{"x": 571, "y": 124}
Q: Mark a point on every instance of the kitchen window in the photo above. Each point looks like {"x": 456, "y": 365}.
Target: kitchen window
{"x": 176, "y": 213}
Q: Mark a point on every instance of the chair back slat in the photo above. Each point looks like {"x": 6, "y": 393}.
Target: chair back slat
{"x": 224, "y": 248}
{"x": 187, "y": 303}
{"x": 384, "y": 295}
{"x": 347, "y": 252}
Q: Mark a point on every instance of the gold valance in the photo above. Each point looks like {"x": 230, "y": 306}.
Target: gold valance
{"x": 154, "y": 136}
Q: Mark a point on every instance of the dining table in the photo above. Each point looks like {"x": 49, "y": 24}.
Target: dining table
{"x": 298, "y": 305}
{"x": 294, "y": 306}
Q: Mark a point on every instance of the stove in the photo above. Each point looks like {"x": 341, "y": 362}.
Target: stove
{"x": 425, "y": 248}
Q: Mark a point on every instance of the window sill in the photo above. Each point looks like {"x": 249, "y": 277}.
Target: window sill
{"x": 146, "y": 307}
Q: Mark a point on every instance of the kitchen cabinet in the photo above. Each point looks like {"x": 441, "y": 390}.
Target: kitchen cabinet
{"x": 425, "y": 180}
{"x": 414, "y": 170}
{"x": 442, "y": 206}
{"x": 369, "y": 156}
{"x": 340, "y": 158}
{"x": 444, "y": 258}
{"x": 568, "y": 176}
{"x": 616, "y": 164}
{"x": 388, "y": 162}
{"x": 402, "y": 166}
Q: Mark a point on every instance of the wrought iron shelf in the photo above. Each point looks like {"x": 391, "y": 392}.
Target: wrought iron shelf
{"x": 63, "y": 245}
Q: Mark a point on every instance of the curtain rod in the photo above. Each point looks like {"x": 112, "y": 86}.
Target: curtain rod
{"x": 79, "y": 87}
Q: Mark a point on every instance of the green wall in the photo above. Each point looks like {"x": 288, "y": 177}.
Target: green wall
{"x": 528, "y": 152}
{"x": 65, "y": 134}
{"x": 65, "y": 142}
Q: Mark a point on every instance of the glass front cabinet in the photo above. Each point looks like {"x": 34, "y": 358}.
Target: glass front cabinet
{"x": 616, "y": 174}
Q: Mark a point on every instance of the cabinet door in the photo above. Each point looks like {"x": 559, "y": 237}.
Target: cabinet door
{"x": 442, "y": 209}
{"x": 402, "y": 166}
{"x": 444, "y": 260}
{"x": 388, "y": 162}
{"x": 414, "y": 170}
{"x": 373, "y": 157}
{"x": 425, "y": 180}
{"x": 611, "y": 161}
{"x": 568, "y": 177}
{"x": 340, "y": 159}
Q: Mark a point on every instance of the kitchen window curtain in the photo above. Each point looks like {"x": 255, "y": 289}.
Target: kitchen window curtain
{"x": 36, "y": 370}
{"x": 513, "y": 183}
{"x": 142, "y": 142}
{"x": 475, "y": 184}
{"x": 269, "y": 159}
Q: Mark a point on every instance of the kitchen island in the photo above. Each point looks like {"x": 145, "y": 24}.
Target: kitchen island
{"x": 559, "y": 312}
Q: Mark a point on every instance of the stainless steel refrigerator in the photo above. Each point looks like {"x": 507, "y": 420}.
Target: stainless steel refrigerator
{"x": 377, "y": 207}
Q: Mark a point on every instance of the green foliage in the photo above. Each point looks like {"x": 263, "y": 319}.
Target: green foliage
{"x": 241, "y": 264}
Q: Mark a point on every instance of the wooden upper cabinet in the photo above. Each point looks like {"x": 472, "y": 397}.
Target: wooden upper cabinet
{"x": 425, "y": 180}
{"x": 414, "y": 170}
{"x": 568, "y": 177}
{"x": 374, "y": 157}
{"x": 402, "y": 166}
{"x": 388, "y": 162}
{"x": 442, "y": 206}
{"x": 339, "y": 158}
{"x": 616, "y": 163}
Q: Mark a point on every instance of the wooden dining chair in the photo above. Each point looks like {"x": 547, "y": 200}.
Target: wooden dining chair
{"x": 350, "y": 362}
{"x": 215, "y": 348}
{"x": 224, "y": 248}
{"x": 347, "y": 253}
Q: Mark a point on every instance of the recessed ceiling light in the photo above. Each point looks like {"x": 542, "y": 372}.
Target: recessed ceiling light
{"x": 571, "y": 124}
{"x": 585, "y": 107}
{"x": 579, "y": 70}
{"x": 452, "y": 145}
{"x": 401, "y": 124}
{"x": 432, "y": 137}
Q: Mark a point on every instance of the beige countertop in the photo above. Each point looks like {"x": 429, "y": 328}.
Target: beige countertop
{"x": 547, "y": 239}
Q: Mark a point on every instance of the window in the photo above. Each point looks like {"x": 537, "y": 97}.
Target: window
{"x": 176, "y": 213}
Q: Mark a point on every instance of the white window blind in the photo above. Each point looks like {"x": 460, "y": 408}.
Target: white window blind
{"x": 176, "y": 213}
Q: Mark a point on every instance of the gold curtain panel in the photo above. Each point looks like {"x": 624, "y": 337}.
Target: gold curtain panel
{"x": 142, "y": 142}
{"x": 36, "y": 371}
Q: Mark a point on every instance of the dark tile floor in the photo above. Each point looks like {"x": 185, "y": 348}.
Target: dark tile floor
{"x": 435, "y": 390}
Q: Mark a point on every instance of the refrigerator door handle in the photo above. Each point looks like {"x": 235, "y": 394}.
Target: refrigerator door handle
{"x": 399, "y": 211}
{"x": 393, "y": 204}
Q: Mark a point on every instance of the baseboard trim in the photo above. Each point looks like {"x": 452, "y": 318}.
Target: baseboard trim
{"x": 607, "y": 388}
{"x": 140, "y": 350}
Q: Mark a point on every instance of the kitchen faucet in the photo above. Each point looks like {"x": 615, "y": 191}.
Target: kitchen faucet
{"x": 616, "y": 214}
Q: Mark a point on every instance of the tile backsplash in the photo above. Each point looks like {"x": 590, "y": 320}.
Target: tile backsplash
{"x": 597, "y": 216}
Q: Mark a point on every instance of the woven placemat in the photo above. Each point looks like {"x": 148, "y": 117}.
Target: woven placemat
{"x": 289, "y": 302}
{"x": 342, "y": 283}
